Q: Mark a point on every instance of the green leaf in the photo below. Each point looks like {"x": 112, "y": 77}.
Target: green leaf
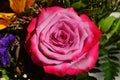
{"x": 100, "y": 23}
{"x": 103, "y": 39}
{"x": 110, "y": 66}
{"x": 82, "y": 76}
{"x": 78, "y": 4}
{"x": 103, "y": 51}
{"x": 67, "y": 3}
{"x": 43, "y": 1}
{"x": 105, "y": 24}
{"x": 104, "y": 66}
{"x": 114, "y": 58}
{"x": 115, "y": 70}
{"x": 95, "y": 70}
{"x": 114, "y": 30}
{"x": 114, "y": 64}
{"x": 105, "y": 59}
{"x": 118, "y": 45}
{"x": 92, "y": 78}
{"x": 3, "y": 72}
{"x": 5, "y": 76}
{"x": 107, "y": 36}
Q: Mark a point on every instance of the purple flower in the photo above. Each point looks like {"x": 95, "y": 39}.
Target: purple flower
{"x": 5, "y": 41}
{"x": 5, "y": 59}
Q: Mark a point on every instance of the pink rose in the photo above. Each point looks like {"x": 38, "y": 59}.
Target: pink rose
{"x": 62, "y": 42}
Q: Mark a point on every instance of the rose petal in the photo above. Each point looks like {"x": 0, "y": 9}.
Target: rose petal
{"x": 38, "y": 54}
{"x": 47, "y": 12}
{"x": 76, "y": 67}
{"x": 94, "y": 32}
{"x": 30, "y": 28}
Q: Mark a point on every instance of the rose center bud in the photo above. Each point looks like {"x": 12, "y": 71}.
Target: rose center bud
{"x": 60, "y": 38}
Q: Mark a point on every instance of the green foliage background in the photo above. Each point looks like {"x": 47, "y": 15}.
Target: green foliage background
{"x": 99, "y": 11}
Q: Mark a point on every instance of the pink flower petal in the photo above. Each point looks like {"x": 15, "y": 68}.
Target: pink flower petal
{"x": 76, "y": 67}
{"x": 38, "y": 53}
{"x": 31, "y": 27}
{"x": 93, "y": 31}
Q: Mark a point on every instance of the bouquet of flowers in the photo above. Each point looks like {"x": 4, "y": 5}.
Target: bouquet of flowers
{"x": 59, "y": 39}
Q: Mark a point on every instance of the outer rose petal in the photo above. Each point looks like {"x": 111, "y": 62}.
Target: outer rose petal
{"x": 46, "y": 13}
{"x": 95, "y": 31}
{"x": 92, "y": 26}
{"x": 77, "y": 67}
{"x": 30, "y": 28}
{"x": 84, "y": 64}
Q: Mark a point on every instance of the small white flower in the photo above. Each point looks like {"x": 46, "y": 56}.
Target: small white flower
{"x": 115, "y": 14}
{"x": 2, "y": 79}
{"x": 25, "y": 75}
